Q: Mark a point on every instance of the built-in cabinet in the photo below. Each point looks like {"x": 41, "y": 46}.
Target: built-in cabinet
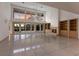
{"x": 73, "y": 29}
{"x": 64, "y": 28}
{"x": 68, "y": 28}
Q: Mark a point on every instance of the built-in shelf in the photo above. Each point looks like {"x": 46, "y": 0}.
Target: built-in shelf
{"x": 73, "y": 28}
{"x": 63, "y": 25}
{"x": 73, "y": 25}
{"x": 68, "y": 28}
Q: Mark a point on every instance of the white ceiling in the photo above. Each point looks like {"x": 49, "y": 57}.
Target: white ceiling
{"x": 69, "y": 6}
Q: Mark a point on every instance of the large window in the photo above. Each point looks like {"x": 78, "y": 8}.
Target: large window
{"x": 16, "y": 27}
{"x": 27, "y": 20}
{"x": 18, "y": 14}
{"x": 23, "y": 27}
{"x": 26, "y": 15}
{"x": 38, "y": 27}
{"x": 28, "y": 27}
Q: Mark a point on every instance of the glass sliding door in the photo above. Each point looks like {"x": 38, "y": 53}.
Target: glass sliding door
{"x": 19, "y": 14}
{"x": 22, "y": 27}
{"x": 28, "y": 27}
{"x": 48, "y": 25}
{"x": 38, "y": 27}
{"x": 32, "y": 27}
{"x": 16, "y": 27}
{"x": 42, "y": 27}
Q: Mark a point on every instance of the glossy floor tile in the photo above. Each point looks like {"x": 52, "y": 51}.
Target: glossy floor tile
{"x": 39, "y": 44}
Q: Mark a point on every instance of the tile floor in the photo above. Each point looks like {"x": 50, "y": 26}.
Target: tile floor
{"x": 39, "y": 44}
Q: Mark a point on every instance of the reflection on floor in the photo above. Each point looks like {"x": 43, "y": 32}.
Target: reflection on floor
{"x": 39, "y": 44}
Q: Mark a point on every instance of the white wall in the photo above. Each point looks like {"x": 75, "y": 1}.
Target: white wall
{"x": 65, "y": 15}
{"x": 4, "y": 17}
